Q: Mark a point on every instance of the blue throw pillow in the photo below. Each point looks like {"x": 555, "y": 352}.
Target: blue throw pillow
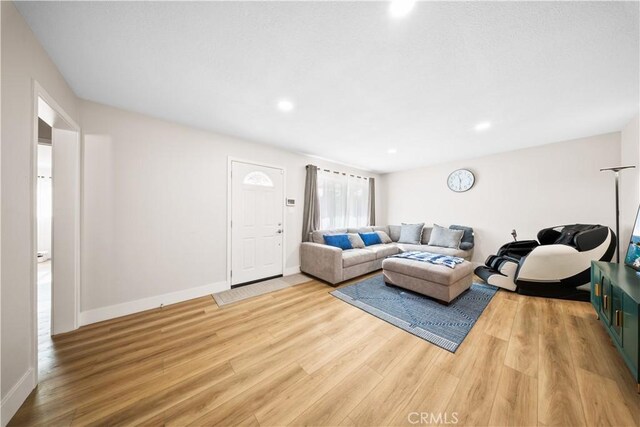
{"x": 338, "y": 240}
{"x": 370, "y": 239}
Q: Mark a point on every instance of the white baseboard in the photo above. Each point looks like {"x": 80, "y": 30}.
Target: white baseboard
{"x": 17, "y": 395}
{"x": 291, "y": 270}
{"x": 105, "y": 313}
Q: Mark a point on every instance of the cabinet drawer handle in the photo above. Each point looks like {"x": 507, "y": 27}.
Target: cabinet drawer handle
{"x": 619, "y": 318}
{"x": 596, "y": 289}
{"x": 606, "y": 302}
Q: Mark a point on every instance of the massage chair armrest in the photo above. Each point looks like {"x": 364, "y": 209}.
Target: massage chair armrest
{"x": 551, "y": 262}
{"x": 517, "y": 249}
{"x": 511, "y": 259}
{"x": 496, "y": 261}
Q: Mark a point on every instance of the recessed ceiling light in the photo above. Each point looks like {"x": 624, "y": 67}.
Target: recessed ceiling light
{"x": 400, "y": 8}
{"x": 392, "y": 151}
{"x": 285, "y": 105}
{"x": 482, "y": 126}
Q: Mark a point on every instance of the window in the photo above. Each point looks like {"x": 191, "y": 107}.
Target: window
{"x": 258, "y": 178}
{"x": 344, "y": 200}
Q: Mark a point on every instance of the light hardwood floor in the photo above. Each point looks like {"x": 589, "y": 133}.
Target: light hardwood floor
{"x": 302, "y": 357}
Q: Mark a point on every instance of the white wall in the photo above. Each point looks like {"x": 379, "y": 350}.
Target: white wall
{"x": 154, "y": 212}
{"x": 44, "y": 198}
{"x": 629, "y": 181}
{"x": 23, "y": 60}
{"x": 526, "y": 189}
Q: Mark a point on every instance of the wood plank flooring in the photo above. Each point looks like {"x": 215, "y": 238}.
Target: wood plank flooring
{"x": 302, "y": 357}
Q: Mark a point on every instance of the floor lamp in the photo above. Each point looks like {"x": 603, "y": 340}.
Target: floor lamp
{"x": 617, "y": 170}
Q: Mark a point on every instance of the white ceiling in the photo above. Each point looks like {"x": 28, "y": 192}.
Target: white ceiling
{"x": 362, "y": 82}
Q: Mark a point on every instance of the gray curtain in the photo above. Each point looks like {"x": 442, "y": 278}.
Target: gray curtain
{"x": 372, "y": 201}
{"x": 311, "y": 215}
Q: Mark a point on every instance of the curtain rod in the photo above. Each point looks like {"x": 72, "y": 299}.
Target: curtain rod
{"x": 343, "y": 173}
{"x": 339, "y": 173}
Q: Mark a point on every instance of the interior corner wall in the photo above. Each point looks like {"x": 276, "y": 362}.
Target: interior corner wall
{"x": 23, "y": 60}
{"x": 154, "y": 208}
{"x": 629, "y": 180}
{"x": 526, "y": 190}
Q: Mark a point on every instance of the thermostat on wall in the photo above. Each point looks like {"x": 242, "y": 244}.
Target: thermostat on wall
{"x": 291, "y": 202}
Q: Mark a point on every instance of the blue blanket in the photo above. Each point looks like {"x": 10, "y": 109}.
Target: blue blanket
{"x": 447, "y": 260}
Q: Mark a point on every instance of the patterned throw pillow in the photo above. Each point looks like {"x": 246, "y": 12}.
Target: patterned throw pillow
{"x": 411, "y": 233}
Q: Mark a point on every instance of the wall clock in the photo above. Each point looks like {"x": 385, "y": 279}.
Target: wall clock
{"x": 461, "y": 180}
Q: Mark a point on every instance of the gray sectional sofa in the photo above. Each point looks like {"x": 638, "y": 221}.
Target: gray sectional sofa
{"x": 335, "y": 265}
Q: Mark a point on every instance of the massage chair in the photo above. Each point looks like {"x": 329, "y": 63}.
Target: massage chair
{"x": 557, "y": 265}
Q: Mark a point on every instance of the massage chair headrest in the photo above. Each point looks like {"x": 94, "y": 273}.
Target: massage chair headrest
{"x": 574, "y": 235}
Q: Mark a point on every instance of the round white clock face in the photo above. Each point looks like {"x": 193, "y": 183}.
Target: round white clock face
{"x": 461, "y": 180}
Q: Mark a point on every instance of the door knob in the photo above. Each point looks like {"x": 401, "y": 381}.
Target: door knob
{"x": 279, "y": 231}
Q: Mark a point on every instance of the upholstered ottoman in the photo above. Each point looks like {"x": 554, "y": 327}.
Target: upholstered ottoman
{"x": 435, "y": 281}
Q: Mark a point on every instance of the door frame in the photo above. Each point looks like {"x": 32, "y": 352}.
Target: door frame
{"x": 230, "y": 160}
{"x": 40, "y": 93}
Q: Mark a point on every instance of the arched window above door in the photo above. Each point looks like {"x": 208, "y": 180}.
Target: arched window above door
{"x": 258, "y": 178}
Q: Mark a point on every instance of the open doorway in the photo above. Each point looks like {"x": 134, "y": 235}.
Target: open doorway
{"x": 56, "y": 222}
{"x": 44, "y": 212}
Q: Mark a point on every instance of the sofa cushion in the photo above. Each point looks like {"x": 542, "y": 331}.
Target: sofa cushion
{"x": 410, "y": 233}
{"x": 384, "y": 228}
{"x": 445, "y": 237}
{"x": 384, "y": 250}
{"x": 357, "y": 256}
{"x": 371, "y": 238}
{"x": 338, "y": 240}
{"x": 467, "y": 238}
{"x": 426, "y": 235}
{"x": 445, "y": 251}
{"x": 394, "y": 232}
{"x": 408, "y": 247}
{"x": 384, "y": 237}
{"x": 318, "y": 235}
{"x": 356, "y": 240}
{"x": 364, "y": 230}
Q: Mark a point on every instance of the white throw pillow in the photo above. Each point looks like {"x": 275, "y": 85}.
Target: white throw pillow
{"x": 445, "y": 237}
{"x": 356, "y": 240}
{"x": 411, "y": 233}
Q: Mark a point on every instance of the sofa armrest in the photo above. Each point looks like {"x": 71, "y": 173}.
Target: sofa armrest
{"x": 322, "y": 261}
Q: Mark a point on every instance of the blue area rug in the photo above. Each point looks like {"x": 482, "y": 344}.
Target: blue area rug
{"x": 442, "y": 325}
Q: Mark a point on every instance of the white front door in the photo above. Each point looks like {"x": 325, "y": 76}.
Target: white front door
{"x": 257, "y": 205}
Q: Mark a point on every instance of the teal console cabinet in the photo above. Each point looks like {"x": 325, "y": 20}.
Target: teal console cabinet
{"x": 615, "y": 294}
